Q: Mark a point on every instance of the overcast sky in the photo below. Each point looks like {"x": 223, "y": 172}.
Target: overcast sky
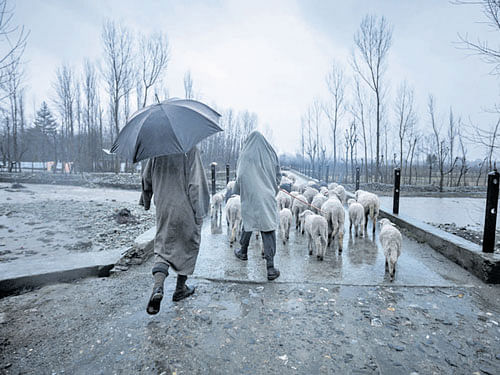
{"x": 271, "y": 57}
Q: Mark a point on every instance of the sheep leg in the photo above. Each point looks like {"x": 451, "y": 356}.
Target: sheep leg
{"x": 309, "y": 244}
{"x": 366, "y": 221}
{"x": 374, "y": 220}
{"x": 341, "y": 240}
{"x": 356, "y": 230}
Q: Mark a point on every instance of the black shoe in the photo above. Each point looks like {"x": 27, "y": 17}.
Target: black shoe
{"x": 240, "y": 254}
{"x": 186, "y": 291}
{"x": 155, "y": 301}
{"x": 272, "y": 273}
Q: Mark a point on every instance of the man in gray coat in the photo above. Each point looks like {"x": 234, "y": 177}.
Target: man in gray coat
{"x": 182, "y": 200}
{"x": 257, "y": 181}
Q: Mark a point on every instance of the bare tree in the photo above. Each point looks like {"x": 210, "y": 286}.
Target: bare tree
{"x": 452, "y": 134}
{"x": 405, "y": 115}
{"x": 351, "y": 140}
{"x": 188, "y": 85}
{"x": 335, "y": 107}
{"x": 13, "y": 38}
{"x": 442, "y": 149}
{"x": 11, "y": 86}
{"x": 311, "y": 146}
{"x": 360, "y": 111}
{"x": 65, "y": 96}
{"x": 373, "y": 40}
{"x": 154, "y": 57}
{"x": 118, "y": 70}
{"x": 463, "y": 167}
{"x": 481, "y": 47}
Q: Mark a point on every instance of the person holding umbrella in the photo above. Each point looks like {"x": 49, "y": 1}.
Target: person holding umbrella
{"x": 167, "y": 134}
{"x": 182, "y": 200}
{"x": 258, "y": 177}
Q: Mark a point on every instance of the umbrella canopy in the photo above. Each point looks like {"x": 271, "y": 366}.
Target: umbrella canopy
{"x": 174, "y": 126}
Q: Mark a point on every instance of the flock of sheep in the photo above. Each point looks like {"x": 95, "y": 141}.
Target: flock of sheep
{"x": 318, "y": 212}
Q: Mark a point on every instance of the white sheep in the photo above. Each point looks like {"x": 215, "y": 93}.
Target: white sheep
{"x": 310, "y": 193}
{"x": 300, "y": 187}
{"x": 294, "y": 194}
{"x": 283, "y": 200}
{"x": 302, "y": 219}
{"x": 229, "y": 190}
{"x": 285, "y": 180}
{"x": 285, "y": 224}
{"x": 332, "y": 185}
{"x": 298, "y": 206}
{"x": 316, "y": 228}
{"x": 356, "y": 217}
{"x": 391, "y": 241}
{"x": 292, "y": 177}
{"x": 340, "y": 192}
{"x": 371, "y": 204}
{"x": 233, "y": 217}
{"x": 324, "y": 191}
{"x": 333, "y": 211}
{"x": 216, "y": 206}
{"x": 317, "y": 202}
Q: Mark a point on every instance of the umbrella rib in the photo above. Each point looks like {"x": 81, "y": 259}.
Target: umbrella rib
{"x": 168, "y": 119}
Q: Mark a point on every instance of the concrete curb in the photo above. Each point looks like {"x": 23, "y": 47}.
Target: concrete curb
{"x": 74, "y": 267}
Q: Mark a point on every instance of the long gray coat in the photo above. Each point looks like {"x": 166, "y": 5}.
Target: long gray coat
{"x": 182, "y": 200}
{"x": 258, "y": 176}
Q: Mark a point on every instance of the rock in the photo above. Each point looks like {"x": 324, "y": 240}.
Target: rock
{"x": 124, "y": 216}
{"x": 376, "y": 322}
{"x": 398, "y": 348}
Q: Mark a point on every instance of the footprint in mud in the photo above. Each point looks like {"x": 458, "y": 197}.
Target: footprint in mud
{"x": 32, "y": 223}
{"x": 49, "y": 233}
{"x": 30, "y": 253}
{"x": 45, "y": 240}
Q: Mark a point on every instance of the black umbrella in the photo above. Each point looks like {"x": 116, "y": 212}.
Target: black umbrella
{"x": 174, "y": 126}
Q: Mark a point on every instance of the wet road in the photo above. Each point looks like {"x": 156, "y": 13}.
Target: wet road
{"x": 360, "y": 263}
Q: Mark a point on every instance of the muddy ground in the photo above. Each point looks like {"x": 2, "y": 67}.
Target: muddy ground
{"x": 50, "y": 221}
{"x": 99, "y": 326}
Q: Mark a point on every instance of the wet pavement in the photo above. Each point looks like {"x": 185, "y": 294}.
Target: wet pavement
{"x": 360, "y": 263}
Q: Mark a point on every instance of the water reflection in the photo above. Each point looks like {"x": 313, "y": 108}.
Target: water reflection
{"x": 362, "y": 250}
{"x": 216, "y": 225}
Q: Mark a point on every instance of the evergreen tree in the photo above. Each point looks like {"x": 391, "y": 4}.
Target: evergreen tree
{"x": 43, "y": 135}
{"x": 44, "y": 122}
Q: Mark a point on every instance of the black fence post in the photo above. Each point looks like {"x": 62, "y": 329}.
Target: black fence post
{"x": 213, "y": 176}
{"x": 397, "y": 181}
{"x": 227, "y": 174}
{"x": 357, "y": 178}
{"x": 490, "y": 219}
{"x": 327, "y": 173}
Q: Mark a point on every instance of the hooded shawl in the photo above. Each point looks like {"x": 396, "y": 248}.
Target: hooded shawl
{"x": 258, "y": 177}
{"x": 179, "y": 186}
